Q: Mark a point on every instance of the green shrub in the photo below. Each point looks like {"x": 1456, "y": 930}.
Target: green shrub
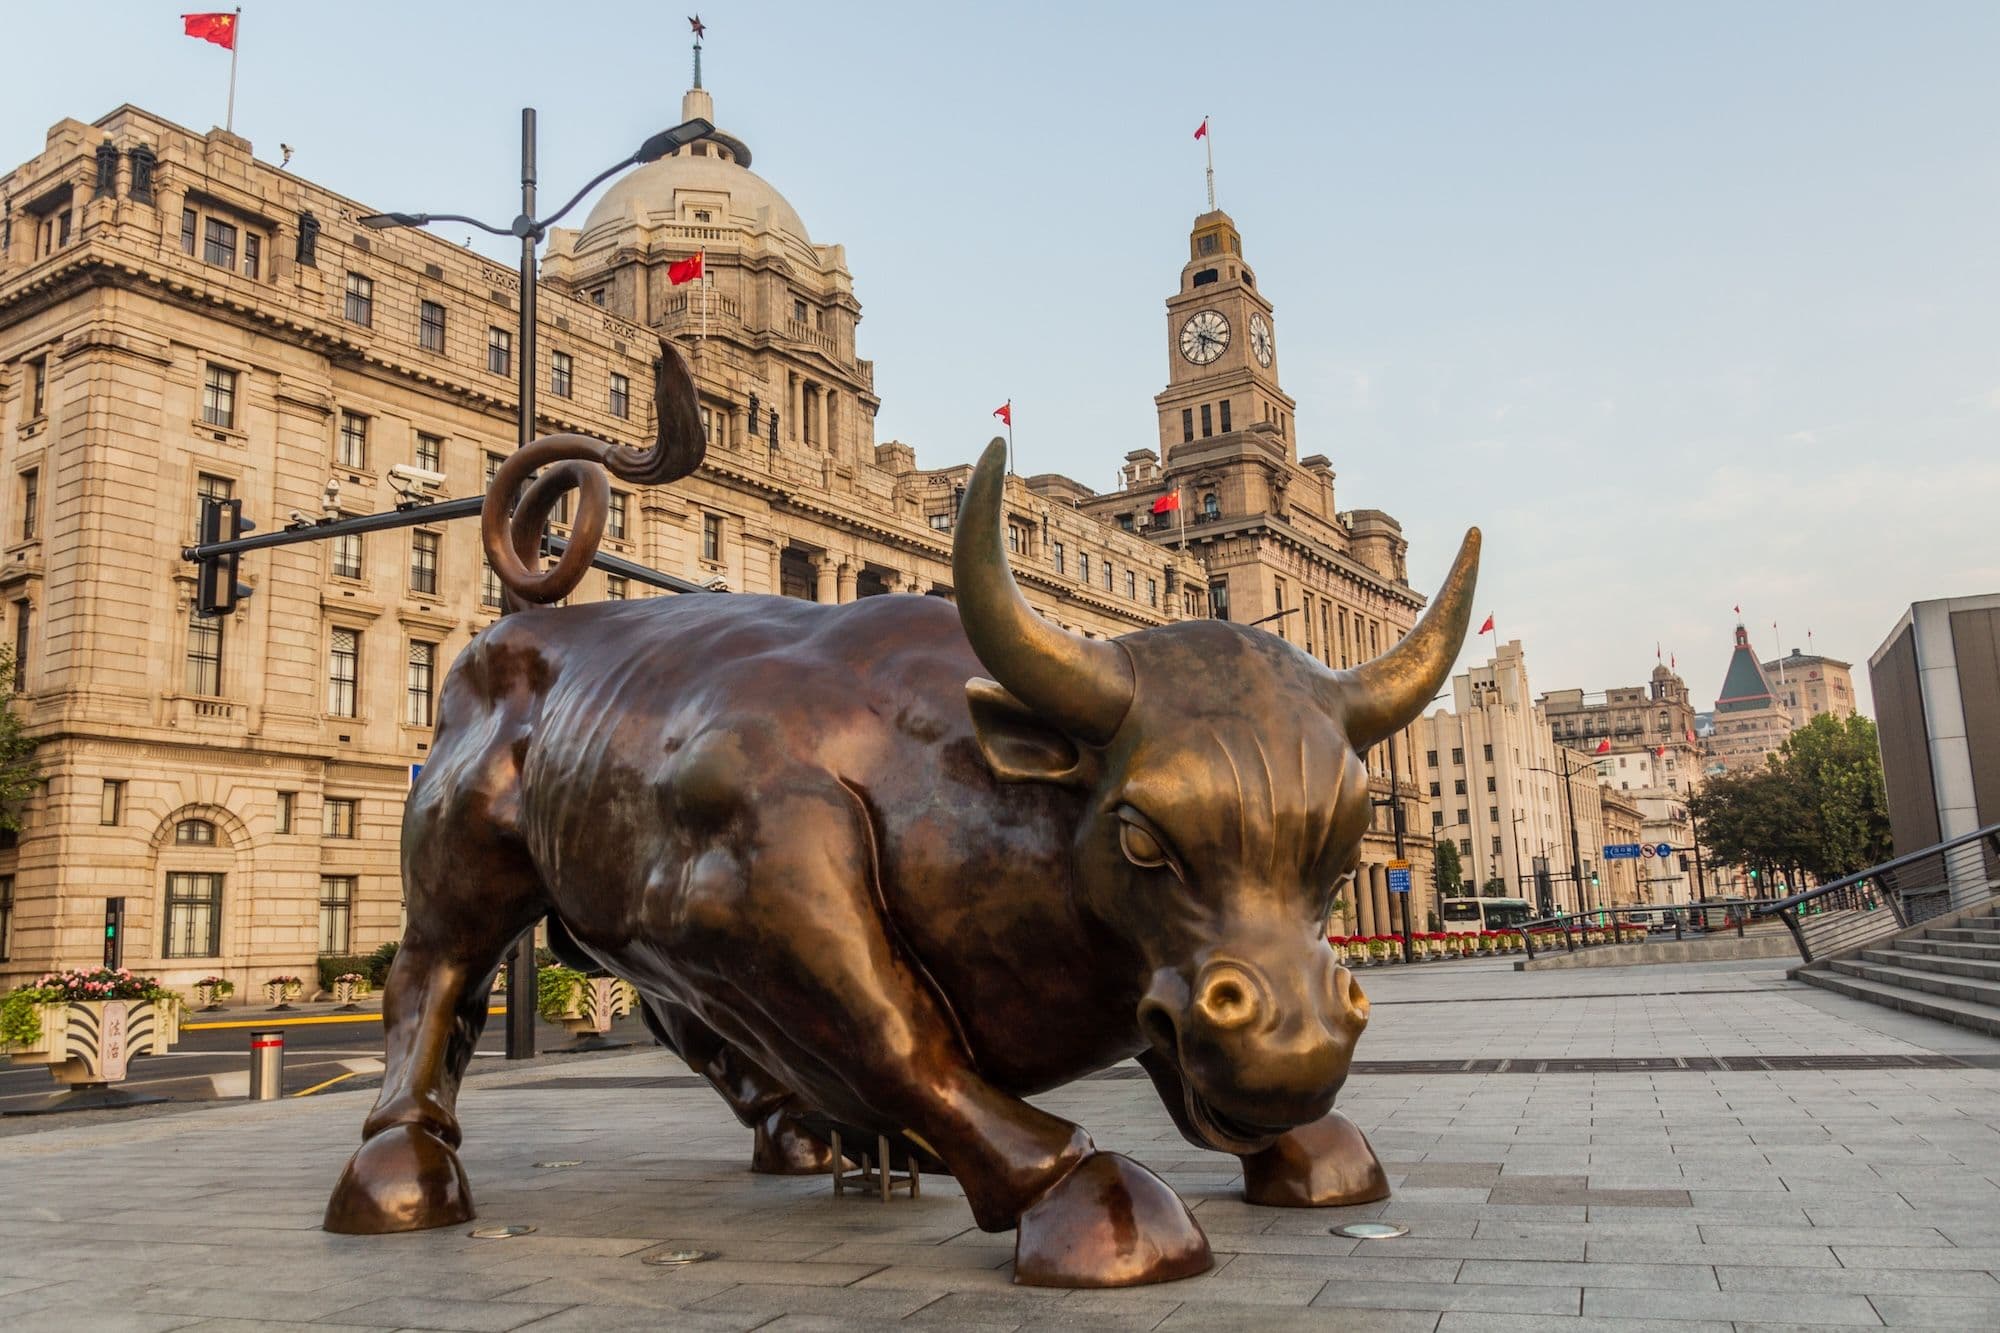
{"x": 556, "y": 991}
{"x": 376, "y": 965}
{"x": 333, "y": 964}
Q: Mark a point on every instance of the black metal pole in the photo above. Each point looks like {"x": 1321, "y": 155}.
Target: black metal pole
{"x": 521, "y": 964}
{"x": 1396, "y": 824}
{"x": 1575, "y": 854}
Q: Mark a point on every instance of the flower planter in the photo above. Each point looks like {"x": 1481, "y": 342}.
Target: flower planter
{"x": 87, "y": 1044}
{"x": 594, "y": 1005}
{"x": 281, "y": 991}
{"x": 347, "y": 987}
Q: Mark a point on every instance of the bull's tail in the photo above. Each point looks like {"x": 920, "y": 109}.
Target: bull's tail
{"x": 510, "y": 524}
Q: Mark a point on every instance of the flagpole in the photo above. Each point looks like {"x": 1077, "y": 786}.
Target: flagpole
{"x": 1208, "y": 142}
{"x": 236, "y": 44}
{"x": 1010, "y": 437}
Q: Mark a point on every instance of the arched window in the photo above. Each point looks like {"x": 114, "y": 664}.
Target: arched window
{"x": 1211, "y": 507}
{"x": 194, "y": 833}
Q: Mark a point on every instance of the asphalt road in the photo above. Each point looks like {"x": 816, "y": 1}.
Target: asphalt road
{"x": 323, "y": 1053}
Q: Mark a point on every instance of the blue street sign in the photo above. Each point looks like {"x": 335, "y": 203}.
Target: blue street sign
{"x": 1662, "y": 850}
{"x": 1622, "y": 851}
{"x": 1399, "y": 877}
{"x": 416, "y": 770}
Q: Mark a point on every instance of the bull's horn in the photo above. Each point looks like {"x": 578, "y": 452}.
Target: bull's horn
{"x": 1083, "y": 686}
{"x": 1379, "y": 698}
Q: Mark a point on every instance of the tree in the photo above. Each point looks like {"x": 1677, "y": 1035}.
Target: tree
{"x": 1820, "y": 806}
{"x": 1449, "y": 872}
{"x": 1493, "y": 888}
{"x": 19, "y": 773}
{"x": 1835, "y": 765}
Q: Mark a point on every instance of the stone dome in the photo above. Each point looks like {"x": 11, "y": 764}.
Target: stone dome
{"x": 654, "y": 193}
{"x": 670, "y": 189}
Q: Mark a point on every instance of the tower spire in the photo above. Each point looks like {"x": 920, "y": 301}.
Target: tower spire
{"x": 700, "y": 30}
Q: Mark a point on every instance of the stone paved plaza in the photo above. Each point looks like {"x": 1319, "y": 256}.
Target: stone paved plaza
{"x": 1675, "y": 1199}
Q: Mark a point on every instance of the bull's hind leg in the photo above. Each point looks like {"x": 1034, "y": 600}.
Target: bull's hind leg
{"x": 783, "y": 1145}
{"x": 857, "y": 1018}
{"x": 470, "y": 897}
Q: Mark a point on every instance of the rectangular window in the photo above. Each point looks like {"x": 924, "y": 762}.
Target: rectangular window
{"x": 711, "y": 538}
{"x": 288, "y": 802}
{"x": 336, "y": 912}
{"x": 424, "y": 562}
{"x": 418, "y": 688}
{"x": 1152, "y": 592}
{"x": 1458, "y": 755}
{"x": 351, "y": 447}
{"x": 6, "y": 917}
{"x": 1437, "y": 819}
{"x": 1061, "y": 559}
{"x": 493, "y": 462}
{"x": 347, "y": 555}
{"x": 24, "y": 618}
{"x": 1465, "y": 846}
{"x": 1107, "y": 575}
{"x": 430, "y": 326}
{"x": 499, "y": 351}
{"x": 253, "y": 255}
{"x": 1225, "y": 416}
{"x": 1496, "y": 844}
{"x": 31, "y": 503}
{"x": 1083, "y": 566}
{"x": 204, "y": 655}
{"x": 1489, "y": 754}
{"x": 941, "y": 522}
{"x": 38, "y": 386}
{"x": 1431, "y": 758}
{"x": 111, "y": 802}
{"x": 1465, "y": 817}
{"x": 615, "y": 588}
{"x": 360, "y": 299}
{"x": 1014, "y": 538}
{"x": 1493, "y": 814}
{"x": 1491, "y": 785}
{"x": 560, "y": 370}
{"x": 194, "y": 916}
{"x": 337, "y": 820}
{"x": 218, "y": 243}
{"x": 614, "y": 520}
{"x": 343, "y": 669}
{"x": 1132, "y": 585}
{"x": 1207, "y": 428}
{"x": 430, "y": 452}
{"x": 1458, "y": 786}
{"x": 190, "y": 226}
{"x": 209, "y": 487}
{"x": 1218, "y": 599}
{"x": 489, "y": 587}
{"x": 621, "y": 396}
{"x": 218, "y": 397}
{"x": 1187, "y": 425}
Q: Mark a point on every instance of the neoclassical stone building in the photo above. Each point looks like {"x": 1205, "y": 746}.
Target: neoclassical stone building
{"x": 179, "y": 319}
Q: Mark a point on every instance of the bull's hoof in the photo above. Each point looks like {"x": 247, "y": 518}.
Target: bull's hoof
{"x": 784, "y": 1147}
{"x": 1109, "y": 1223}
{"x": 1327, "y": 1164}
{"x": 403, "y": 1179}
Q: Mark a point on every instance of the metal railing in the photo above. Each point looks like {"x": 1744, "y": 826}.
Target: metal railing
{"x": 1615, "y": 925}
{"x": 1851, "y": 913}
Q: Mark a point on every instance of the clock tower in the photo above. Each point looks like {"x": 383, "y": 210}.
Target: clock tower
{"x": 1222, "y": 351}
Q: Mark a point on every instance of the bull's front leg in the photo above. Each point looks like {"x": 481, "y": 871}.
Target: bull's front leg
{"x": 1325, "y": 1164}
{"x": 864, "y": 1034}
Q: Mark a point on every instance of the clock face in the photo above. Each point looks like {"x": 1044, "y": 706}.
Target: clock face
{"x": 1204, "y": 336}
{"x": 1260, "y": 339}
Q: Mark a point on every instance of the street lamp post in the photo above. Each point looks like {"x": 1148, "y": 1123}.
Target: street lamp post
{"x": 531, "y": 230}
{"x": 1569, "y": 804}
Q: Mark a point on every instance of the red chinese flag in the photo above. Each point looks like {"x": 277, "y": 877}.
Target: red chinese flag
{"x": 1659, "y": 752}
{"x": 1167, "y": 503}
{"x": 1690, "y": 732}
{"x": 1202, "y": 133}
{"x": 217, "y": 28}
{"x": 1604, "y": 747}
{"x": 1005, "y": 412}
{"x": 684, "y": 270}
{"x": 1487, "y": 628}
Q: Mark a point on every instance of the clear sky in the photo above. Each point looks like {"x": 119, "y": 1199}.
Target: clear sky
{"x": 1687, "y": 305}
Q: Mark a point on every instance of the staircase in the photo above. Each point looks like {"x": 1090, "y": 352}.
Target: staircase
{"x": 1949, "y": 972}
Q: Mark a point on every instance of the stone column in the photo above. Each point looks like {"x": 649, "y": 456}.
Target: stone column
{"x": 917, "y": 584}
{"x": 1378, "y": 887}
{"x": 850, "y": 574}
{"x": 825, "y": 568}
{"x": 1363, "y": 905}
{"x": 829, "y": 420}
{"x": 896, "y": 581}
{"x": 796, "y": 395}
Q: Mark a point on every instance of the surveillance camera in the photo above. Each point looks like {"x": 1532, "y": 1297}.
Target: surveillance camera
{"x": 298, "y": 519}
{"x": 716, "y": 584}
{"x": 403, "y": 474}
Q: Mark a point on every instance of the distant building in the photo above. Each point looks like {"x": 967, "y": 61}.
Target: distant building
{"x": 1625, "y": 823}
{"x": 1936, "y": 682}
{"x": 1496, "y": 778}
{"x": 1751, "y": 722}
{"x": 1643, "y": 739}
{"x": 1808, "y": 685}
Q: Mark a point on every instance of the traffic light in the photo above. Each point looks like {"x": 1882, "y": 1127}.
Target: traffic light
{"x": 114, "y": 931}
{"x": 216, "y": 588}
{"x": 1593, "y": 879}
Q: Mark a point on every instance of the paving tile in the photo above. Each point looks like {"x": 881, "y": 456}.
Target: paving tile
{"x": 429, "y": 1312}
{"x": 1764, "y": 1306}
{"x": 1937, "y": 1312}
{"x": 1260, "y": 1318}
{"x": 1458, "y": 1321}
{"x": 1551, "y": 1301}
{"x": 1869, "y": 1281}
{"x": 1659, "y": 1277}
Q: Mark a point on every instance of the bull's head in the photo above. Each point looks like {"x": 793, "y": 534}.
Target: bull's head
{"x": 1226, "y": 801}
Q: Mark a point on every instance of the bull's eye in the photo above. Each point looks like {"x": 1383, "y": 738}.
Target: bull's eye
{"x": 1140, "y": 847}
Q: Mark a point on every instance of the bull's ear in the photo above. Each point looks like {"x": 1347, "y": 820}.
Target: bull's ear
{"x": 1020, "y": 747}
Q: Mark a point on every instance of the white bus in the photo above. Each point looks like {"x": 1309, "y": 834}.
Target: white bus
{"x": 1464, "y": 916}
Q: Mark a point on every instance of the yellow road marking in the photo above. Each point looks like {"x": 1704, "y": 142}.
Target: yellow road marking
{"x": 337, "y": 1078}
{"x": 294, "y": 1022}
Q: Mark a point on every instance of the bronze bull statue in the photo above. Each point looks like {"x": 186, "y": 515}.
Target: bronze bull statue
{"x": 899, "y": 864}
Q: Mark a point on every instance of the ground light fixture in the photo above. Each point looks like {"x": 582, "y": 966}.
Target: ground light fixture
{"x": 499, "y": 1233}
{"x": 1370, "y": 1230}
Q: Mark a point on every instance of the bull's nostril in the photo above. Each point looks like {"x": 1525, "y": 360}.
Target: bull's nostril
{"x": 1227, "y": 1001}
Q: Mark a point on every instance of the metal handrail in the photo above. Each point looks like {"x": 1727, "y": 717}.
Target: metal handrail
{"x": 1569, "y": 925}
{"x": 1990, "y": 832}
